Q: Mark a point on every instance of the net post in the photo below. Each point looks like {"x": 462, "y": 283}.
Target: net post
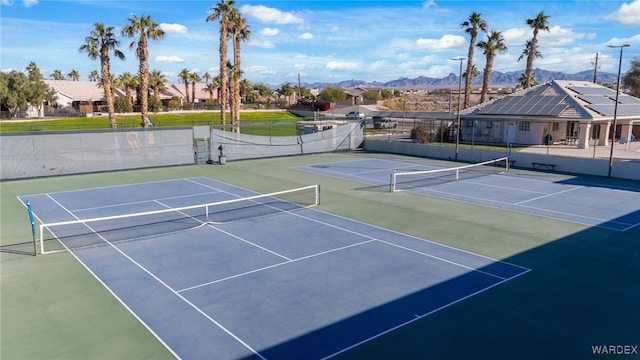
{"x": 507, "y": 162}
{"x": 318, "y": 194}
{"x": 457, "y": 174}
{"x": 41, "y": 239}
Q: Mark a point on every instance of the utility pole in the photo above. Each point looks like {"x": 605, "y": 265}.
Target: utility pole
{"x": 595, "y": 70}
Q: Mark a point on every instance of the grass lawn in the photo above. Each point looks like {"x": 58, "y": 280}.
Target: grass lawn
{"x": 275, "y": 123}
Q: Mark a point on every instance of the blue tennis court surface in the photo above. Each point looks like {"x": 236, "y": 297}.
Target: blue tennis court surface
{"x": 296, "y": 283}
{"x": 611, "y": 208}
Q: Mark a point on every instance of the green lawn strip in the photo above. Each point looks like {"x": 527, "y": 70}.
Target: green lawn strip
{"x": 250, "y": 120}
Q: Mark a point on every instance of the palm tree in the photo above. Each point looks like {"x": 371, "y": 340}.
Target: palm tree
{"x": 206, "y": 77}
{"x": 128, "y": 82}
{"x": 100, "y": 43}
{"x": 222, "y": 12}
{"x": 474, "y": 72}
{"x": 144, "y": 28}
{"x": 34, "y": 71}
{"x": 74, "y": 75}
{"x": 185, "y": 75}
{"x": 245, "y": 89}
{"x": 472, "y": 25}
{"x": 239, "y": 32}
{"x": 93, "y": 75}
{"x": 211, "y": 88}
{"x": 494, "y": 44}
{"x": 194, "y": 78}
{"x": 540, "y": 22}
{"x": 57, "y": 75}
{"x": 158, "y": 82}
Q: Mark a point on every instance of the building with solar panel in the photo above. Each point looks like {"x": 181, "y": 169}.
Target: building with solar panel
{"x": 557, "y": 112}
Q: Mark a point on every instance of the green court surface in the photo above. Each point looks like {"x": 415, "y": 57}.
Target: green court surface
{"x": 582, "y": 291}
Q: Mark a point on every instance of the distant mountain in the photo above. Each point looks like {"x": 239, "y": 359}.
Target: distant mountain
{"x": 451, "y": 80}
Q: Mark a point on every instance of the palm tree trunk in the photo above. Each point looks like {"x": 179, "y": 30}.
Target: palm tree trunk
{"x": 144, "y": 75}
{"x": 530, "y": 57}
{"x": 106, "y": 83}
{"x": 223, "y": 74}
{"x": 486, "y": 80}
{"x": 467, "y": 81}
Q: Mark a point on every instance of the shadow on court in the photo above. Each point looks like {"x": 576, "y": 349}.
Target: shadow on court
{"x": 581, "y": 295}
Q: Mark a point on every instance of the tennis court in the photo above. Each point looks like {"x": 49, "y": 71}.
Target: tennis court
{"x": 256, "y": 276}
{"x": 614, "y": 208}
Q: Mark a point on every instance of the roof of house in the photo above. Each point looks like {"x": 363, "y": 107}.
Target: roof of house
{"x": 78, "y": 90}
{"x": 560, "y": 100}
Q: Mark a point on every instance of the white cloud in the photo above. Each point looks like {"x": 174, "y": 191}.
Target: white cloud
{"x": 169, "y": 59}
{"x": 269, "y": 32}
{"x": 446, "y": 42}
{"x": 29, "y": 3}
{"x": 173, "y": 28}
{"x": 628, "y": 14}
{"x": 265, "y": 44}
{"x": 300, "y": 56}
{"x": 429, "y": 3}
{"x": 342, "y": 65}
{"x": 303, "y": 66}
{"x": 259, "y": 69}
{"x": 305, "y": 36}
{"x": 6, "y": 2}
{"x": 270, "y": 15}
{"x": 334, "y": 29}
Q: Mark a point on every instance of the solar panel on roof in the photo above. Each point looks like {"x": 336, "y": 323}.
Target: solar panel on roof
{"x": 608, "y": 110}
{"x": 588, "y": 90}
{"x": 628, "y": 100}
{"x": 596, "y": 99}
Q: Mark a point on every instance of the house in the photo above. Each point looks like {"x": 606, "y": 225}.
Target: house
{"x": 81, "y": 96}
{"x": 569, "y": 112}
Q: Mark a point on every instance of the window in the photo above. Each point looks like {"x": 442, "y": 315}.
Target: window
{"x": 555, "y": 126}
{"x": 524, "y": 126}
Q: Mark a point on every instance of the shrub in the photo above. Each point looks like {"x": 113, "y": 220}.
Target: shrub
{"x": 420, "y": 135}
{"x": 122, "y": 105}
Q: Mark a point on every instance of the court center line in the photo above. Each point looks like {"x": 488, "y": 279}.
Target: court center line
{"x": 274, "y": 265}
{"x": 165, "y": 285}
{"x": 229, "y": 234}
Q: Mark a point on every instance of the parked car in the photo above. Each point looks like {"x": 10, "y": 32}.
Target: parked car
{"x": 380, "y": 122}
{"x": 355, "y": 115}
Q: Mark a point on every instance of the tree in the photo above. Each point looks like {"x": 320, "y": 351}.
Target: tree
{"x": 37, "y": 90}
{"x": 98, "y": 45}
{"x": 333, "y": 95}
{"x": 474, "y": 72}
{"x": 632, "y": 78}
{"x": 472, "y": 25}
{"x": 158, "y": 82}
{"x": 494, "y": 44}
{"x": 540, "y": 22}
{"x": 372, "y": 95}
{"x": 245, "y": 89}
{"x": 522, "y": 80}
{"x": 222, "y": 12}
{"x": 13, "y": 94}
{"x": 128, "y": 81}
{"x": 185, "y": 75}
{"x": 93, "y": 75}
{"x": 287, "y": 91}
{"x": 194, "y": 78}
{"x": 73, "y": 75}
{"x": 57, "y": 75}
{"x": 240, "y": 32}
{"x": 144, "y": 28}
{"x": 211, "y": 88}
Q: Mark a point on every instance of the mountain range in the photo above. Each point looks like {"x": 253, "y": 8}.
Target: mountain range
{"x": 451, "y": 80}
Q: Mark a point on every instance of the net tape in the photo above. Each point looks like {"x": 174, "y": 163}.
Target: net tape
{"x": 402, "y": 181}
{"x": 80, "y": 233}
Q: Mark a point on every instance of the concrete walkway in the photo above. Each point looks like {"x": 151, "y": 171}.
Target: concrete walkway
{"x": 628, "y": 151}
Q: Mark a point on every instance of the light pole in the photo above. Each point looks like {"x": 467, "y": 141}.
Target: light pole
{"x": 615, "y": 106}
{"x": 459, "y": 94}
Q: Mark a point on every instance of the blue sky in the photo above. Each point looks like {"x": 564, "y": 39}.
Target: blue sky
{"x": 323, "y": 41}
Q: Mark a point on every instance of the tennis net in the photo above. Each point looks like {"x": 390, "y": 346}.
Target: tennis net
{"x": 81, "y": 233}
{"x": 403, "y": 181}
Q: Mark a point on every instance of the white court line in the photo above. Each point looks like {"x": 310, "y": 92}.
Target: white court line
{"x": 273, "y": 266}
{"x": 552, "y": 194}
{"x": 145, "y": 201}
{"x": 164, "y": 285}
{"x": 418, "y": 317}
